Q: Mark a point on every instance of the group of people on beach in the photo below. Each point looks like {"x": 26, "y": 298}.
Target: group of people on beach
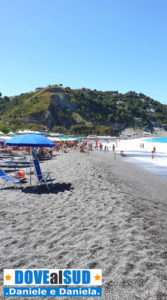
{"x": 97, "y": 146}
{"x": 152, "y": 152}
{"x": 101, "y": 147}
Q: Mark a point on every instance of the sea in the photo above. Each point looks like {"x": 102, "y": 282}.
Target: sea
{"x": 160, "y": 167}
{"x": 157, "y": 140}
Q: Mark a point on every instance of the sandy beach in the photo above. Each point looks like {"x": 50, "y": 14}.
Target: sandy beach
{"x": 101, "y": 213}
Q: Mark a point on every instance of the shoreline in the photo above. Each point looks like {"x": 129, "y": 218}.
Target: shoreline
{"x": 132, "y": 175}
{"x": 133, "y": 153}
{"x": 149, "y": 166}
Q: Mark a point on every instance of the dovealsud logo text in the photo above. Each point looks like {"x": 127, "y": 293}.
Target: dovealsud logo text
{"x": 58, "y": 277}
{"x": 52, "y": 283}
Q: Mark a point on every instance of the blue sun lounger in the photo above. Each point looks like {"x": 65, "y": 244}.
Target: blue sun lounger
{"x": 8, "y": 180}
{"x": 42, "y": 179}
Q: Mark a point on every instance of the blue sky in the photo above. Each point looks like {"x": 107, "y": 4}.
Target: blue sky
{"x": 99, "y": 44}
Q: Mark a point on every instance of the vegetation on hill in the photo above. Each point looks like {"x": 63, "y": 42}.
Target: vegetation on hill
{"x": 80, "y": 111}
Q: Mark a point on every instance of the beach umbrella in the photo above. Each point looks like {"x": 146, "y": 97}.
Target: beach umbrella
{"x": 30, "y": 140}
{"x": 2, "y": 140}
{"x": 72, "y": 139}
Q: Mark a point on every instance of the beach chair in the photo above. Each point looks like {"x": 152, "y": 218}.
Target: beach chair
{"x": 34, "y": 154}
{"x": 42, "y": 178}
{"x": 8, "y": 163}
{"x": 8, "y": 180}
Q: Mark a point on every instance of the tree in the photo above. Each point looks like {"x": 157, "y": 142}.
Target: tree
{"x": 4, "y": 128}
{"x": 6, "y": 98}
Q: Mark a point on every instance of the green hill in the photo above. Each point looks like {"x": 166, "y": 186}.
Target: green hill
{"x": 81, "y": 111}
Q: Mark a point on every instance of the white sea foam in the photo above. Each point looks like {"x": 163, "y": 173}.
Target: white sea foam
{"x": 143, "y": 156}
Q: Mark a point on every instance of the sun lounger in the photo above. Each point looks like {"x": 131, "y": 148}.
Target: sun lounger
{"x": 19, "y": 158}
{"x": 42, "y": 178}
{"x": 8, "y": 180}
{"x": 8, "y": 162}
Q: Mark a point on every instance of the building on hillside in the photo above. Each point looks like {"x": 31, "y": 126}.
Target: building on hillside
{"x": 12, "y": 98}
{"x": 150, "y": 110}
{"x": 137, "y": 120}
{"x": 120, "y": 102}
{"x": 38, "y": 89}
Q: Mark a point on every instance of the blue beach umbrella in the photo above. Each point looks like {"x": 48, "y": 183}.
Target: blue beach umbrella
{"x": 30, "y": 140}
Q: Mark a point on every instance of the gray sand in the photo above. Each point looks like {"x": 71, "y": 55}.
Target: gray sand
{"x": 102, "y": 213}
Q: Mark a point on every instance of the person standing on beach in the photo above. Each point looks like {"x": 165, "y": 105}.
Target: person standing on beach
{"x": 113, "y": 149}
{"x": 153, "y": 152}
